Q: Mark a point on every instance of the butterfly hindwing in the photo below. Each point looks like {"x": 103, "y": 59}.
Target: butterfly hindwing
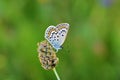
{"x": 50, "y": 34}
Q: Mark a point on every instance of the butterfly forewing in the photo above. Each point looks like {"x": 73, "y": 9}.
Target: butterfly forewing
{"x": 62, "y": 32}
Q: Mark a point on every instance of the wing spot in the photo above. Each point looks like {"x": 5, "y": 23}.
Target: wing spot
{"x": 57, "y": 36}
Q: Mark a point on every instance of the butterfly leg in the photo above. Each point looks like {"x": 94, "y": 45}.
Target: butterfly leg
{"x": 56, "y": 50}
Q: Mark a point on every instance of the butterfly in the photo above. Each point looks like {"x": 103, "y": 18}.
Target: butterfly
{"x": 56, "y": 35}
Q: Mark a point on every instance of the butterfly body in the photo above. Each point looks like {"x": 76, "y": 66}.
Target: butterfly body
{"x": 56, "y": 35}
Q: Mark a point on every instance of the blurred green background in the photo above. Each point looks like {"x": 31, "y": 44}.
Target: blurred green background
{"x": 90, "y": 52}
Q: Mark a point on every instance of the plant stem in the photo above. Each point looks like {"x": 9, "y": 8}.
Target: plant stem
{"x": 58, "y": 78}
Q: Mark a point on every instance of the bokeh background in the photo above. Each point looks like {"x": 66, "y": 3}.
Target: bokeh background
{"x": 91, "y": 50}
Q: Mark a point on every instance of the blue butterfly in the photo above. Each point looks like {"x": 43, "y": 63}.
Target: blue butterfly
{"x": 56, "y": 35}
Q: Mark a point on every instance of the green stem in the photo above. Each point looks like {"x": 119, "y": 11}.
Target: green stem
{"x": 58, "y": 78}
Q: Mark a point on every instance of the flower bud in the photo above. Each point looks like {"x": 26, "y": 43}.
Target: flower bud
{"x": 47, "y": 55}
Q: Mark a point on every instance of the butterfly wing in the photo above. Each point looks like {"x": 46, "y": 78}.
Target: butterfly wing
{"x": 62, "y": 32}
{"x": 51, "y": 36}
{"x": 50, "y": 33}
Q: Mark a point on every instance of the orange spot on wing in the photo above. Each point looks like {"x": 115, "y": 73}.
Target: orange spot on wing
{"x": 50, "y": 31}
